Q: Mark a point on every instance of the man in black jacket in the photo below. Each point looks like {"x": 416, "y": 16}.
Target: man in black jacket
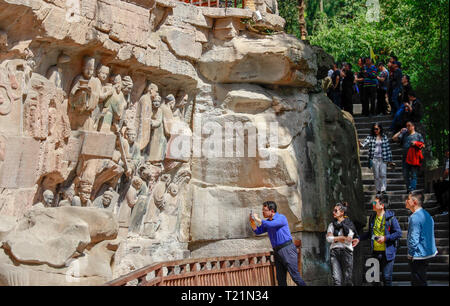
{"x": 347, "y": 88}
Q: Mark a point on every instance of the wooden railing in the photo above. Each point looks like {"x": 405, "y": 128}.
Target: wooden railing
{"x": 245, "y": 270}
{"x": 216, "y": 3}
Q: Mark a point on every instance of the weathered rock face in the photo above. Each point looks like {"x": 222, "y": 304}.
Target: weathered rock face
{"x": 56, "y": 246}
{"x": 163, "y": 124}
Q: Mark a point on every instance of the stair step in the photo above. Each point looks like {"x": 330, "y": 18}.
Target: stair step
{"x": 404, "y": 276}
{"x": 399, "y": 197}
{"x": 392, "y": 181}
{"x": 436, "y": 259}
{"x": 429, "y": 283}
{"x": 436, "y": 267}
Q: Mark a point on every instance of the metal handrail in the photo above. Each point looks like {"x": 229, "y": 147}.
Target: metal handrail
{"x": 256, "y": 269}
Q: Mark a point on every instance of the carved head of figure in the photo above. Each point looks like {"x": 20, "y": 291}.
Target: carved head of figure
{"x": 127, "y": 85}
{"x": 88, "y": 67}
{"x": 117, "y": 83}
{"x": 103, "y": 73}
{"x": 131, "y": 135}
{"x": 170, "y": 101}
{"x": 137, "y": 182}
{"x": 153, "y": 90}
{"x": 84, "y": 192}
{"x": 183, "y": 101}
{"x": 68, "y": 194}
{"x": 156, "y": 102}
{"x": 107, "y": 197}
{"x": 48, "y": 198}
{"x": 63, "y": 58}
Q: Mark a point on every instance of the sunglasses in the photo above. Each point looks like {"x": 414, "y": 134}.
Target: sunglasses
{"x": 336, "y": 210}
{"x": 376, "y": 129}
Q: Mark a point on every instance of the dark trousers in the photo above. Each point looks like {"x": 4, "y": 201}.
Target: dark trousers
{"x": 370, "y": 95}
{"x": 347, "y": 100}
{"x": 395, "y": 99}
{"x": 418, "y": 272}
{"x": 286, "y": 260}
{"x": 386, "y": 266}
{"x": 381, "y": 101}
{"x": 336, "y": 98}
{"x": 341, "y": 266}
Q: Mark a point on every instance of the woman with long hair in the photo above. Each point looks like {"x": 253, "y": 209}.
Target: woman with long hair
{"x": 343, "y": 237}
{"x": 380, "y": 155}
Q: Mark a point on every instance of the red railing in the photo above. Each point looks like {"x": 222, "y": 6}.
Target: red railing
{"x": 215, "y": 3}
{"x": 245, "y": 270}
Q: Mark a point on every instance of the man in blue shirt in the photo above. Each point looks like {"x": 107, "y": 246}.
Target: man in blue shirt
{"x": 421, "y": 242}
{"x": 285, "y": 252}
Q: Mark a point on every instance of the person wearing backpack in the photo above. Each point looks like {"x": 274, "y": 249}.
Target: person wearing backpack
{"x": 384, "y": 234}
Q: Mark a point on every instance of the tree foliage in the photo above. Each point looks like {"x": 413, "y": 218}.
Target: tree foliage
{"x": 416, "y": 31}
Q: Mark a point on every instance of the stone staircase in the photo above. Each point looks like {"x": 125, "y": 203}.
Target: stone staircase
{"x": 438, "y": 271}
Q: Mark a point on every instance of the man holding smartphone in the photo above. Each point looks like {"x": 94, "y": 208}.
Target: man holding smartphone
{"x": 384, "y": 233}
{"x": 285, "y": 252}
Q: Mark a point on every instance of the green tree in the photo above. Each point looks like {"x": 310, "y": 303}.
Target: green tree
{"x": 416, "y": 31}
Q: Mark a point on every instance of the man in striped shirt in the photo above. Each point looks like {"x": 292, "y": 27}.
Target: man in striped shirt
{"x": 370, "y": 88}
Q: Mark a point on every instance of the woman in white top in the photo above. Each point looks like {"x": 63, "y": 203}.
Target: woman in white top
{"x": 341, "y": 233}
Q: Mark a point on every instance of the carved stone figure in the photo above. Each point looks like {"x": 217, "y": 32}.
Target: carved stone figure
{"x": 140, "y": 208}
{"x": 105, "y": 201}
{"x": 69, "y": 198}
{"x": 84, "y": 97}
{"x": 106, "y": 92}
{"x": 47, "y": 200}
{"x": 114, "y": 108}
{"x": 158, "y": 140}
{"x": 55, "y": 73}
{"x": 156, "y": 204}
{"x": 144, "y": 114}
{"x": 84, "y": 192}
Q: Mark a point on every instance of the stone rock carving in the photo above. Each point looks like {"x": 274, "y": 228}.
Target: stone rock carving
{"x": 158, "y": 141}
{"x": 55, "y": 73}
{"x": 84, "y": 97}
{"x": 156, "y": 204}
{"x": 140, "y": 208}
{"x": 106, "y": 200}
{"x": 69, "y": 198}
{"x": 48, "y": 200}
{"x": 114, "y": 108}
{"x": 144, "y": 114}
{"x": 106, "y": 92}
{"x": 84, "y": 193}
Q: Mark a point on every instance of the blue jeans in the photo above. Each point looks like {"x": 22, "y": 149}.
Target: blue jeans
{"x": 410, "y": 175}
{"x": 395, "y": 103}
{"x": 286, "y": 260}
{"x": 397, "y": 118}
{"x": 386, "y": 267}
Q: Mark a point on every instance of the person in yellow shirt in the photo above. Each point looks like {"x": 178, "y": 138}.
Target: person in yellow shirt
{"x": 384, "y": 233}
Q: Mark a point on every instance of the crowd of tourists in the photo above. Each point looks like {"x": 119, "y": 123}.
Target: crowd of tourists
{"x": 381, "y": 91}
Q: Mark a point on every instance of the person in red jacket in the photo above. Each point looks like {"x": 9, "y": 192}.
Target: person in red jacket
{"x": 408, "y": 137}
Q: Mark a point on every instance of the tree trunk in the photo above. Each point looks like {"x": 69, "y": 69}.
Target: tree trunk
{"x": 301, "y": 19}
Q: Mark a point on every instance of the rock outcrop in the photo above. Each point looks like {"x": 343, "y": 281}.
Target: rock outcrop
{"x": 163, "y": 124}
